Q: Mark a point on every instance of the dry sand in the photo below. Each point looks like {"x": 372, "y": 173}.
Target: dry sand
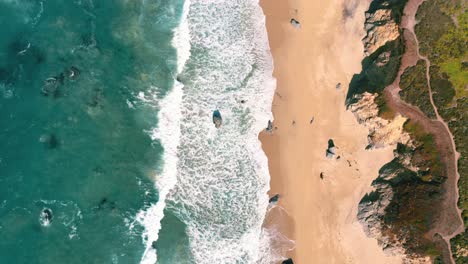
{"x": 319, "y": 214}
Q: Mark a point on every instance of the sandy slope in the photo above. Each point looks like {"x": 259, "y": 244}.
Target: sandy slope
{"x": 309, "y": 62}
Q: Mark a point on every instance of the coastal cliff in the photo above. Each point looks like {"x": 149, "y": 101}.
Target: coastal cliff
{"x": 403, "y": 100}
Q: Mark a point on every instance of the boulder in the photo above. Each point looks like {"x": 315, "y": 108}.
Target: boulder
{"x": 269, "y": 126}
{"x": 217, "y": 119}
{"x": 274, "y": 198}
{"x": 331, "y": 150}
{"x": 295, "y": 23}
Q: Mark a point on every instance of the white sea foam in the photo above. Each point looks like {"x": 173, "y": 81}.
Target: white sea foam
{"x": 168, "y": 132}
{"x": 222, "y": 174}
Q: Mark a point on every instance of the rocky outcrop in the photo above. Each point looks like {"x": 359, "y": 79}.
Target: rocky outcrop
{"x": 381, "y": 28}
{"x": 382, "y": 132}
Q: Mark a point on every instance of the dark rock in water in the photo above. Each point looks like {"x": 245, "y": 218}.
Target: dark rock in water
{"x": 242, "y": 101}
{"x": 295, "y": 23}
{"x": 88, "y": 40}
{"x": 105, "y": 204}
{"x": 288, "y": 261}
{"x": 274, "y": 199}
{"x": 269, "y": 126}
{"x": 102, "y": 203}
{"x": 73, "y": 73}
{"x": 154, "y": 244}
{"x": 46, "y": 217}
{"x": 217, "y": 119}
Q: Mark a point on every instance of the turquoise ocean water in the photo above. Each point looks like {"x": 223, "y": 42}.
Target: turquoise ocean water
{"x": 79, "y": 145}
{"x": 108, "y": 153}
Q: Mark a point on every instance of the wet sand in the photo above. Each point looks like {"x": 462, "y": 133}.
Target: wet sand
{"x": 319, "y": 213}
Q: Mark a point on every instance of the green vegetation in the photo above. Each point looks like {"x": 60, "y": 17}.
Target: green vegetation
{"x": 457, "y": 75}
{"x": 413, "y": 209}
{"x": 443, "y": 36}
{"x": 433, "y": 24}
{"x": 414, "y": 88}
{"x": 460, "y": 248}
{"x": 424, "y": 154}
{"x": 443, "y": 91}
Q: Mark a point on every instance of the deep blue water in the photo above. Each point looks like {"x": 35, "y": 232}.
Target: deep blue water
{"x": 73, "y": 134}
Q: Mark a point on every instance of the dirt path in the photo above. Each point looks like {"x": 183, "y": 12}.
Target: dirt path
{"x": 449, "y": 218}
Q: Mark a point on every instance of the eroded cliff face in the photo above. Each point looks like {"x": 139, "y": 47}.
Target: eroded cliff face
{"x": 381, "y": 28}
{"x": 382, "y": 132}
{"x": 400, "y": 210}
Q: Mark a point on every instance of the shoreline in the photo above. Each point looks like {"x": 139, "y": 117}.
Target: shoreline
{"x": 319, "y": 196}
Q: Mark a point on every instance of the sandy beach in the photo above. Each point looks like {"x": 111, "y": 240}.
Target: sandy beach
{"x": 319, "y": 196}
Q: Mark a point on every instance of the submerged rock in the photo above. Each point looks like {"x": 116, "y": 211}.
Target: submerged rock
{"x": 50, "y": 86}
{"x": 52, "y": 142}
{"x": 217, "y": 119}
{"x": 295, "y": 23}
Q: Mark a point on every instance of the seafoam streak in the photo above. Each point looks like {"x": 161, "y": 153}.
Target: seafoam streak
{"x": 222, "y": 174}
{"x": 168, "y": 132}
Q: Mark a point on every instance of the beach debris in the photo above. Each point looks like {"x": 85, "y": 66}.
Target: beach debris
{"x": 45, "y": 217}
{"x": 295, "y": 23}
{"x": 349, "y": 163}
{"x": 242, "y": 101}
{"x": 269, "y": 126}
{"x": 288, "y": 261}
{"x": 331, "y": 150}
{"x": 311, "y": 120}
{"x": 338, "y": 86}
{"x": 293, "y": 122}
{"x": 338, "y": 158}
{"x": 321, "y": 175}
{"x": 217, "y": 119}
{"x": 274, "y": 198}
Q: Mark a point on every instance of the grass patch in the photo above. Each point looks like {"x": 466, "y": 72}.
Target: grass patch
{"x": 414, "y": 88}
{"x": 458, "y": 75}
